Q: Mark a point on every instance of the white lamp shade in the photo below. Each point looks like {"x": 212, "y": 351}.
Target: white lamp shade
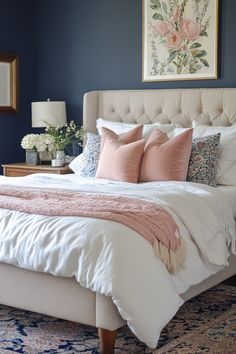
{"x": 48, "y": 113}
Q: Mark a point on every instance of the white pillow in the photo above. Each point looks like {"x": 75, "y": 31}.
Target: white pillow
{"x": 77, "y": 163}
{"x": 226, "y": 171}
{"x": 119, "y": 127}
{"x": 176, "y": 131}
{"x": 226, "y": 166}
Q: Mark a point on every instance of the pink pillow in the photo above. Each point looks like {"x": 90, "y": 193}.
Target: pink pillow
{"x": 164, "y": 159}
{"x": 127, "y": 138}
{"x": 119, "y": 161}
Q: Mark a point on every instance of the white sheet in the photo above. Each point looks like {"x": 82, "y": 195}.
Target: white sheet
{"x": 230, "y": 192}
{"x": 110, "y": 258}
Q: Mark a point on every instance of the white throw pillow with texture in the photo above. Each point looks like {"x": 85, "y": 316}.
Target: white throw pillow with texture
{"x": 86, "y": 163}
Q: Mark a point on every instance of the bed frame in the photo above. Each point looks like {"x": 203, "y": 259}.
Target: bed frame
{"x": 65, "y": 298}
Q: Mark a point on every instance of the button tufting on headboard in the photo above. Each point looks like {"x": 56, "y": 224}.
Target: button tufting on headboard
{"x": 182, "y": 106}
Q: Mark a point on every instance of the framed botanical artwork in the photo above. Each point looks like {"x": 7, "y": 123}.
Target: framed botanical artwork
{"x": 180, "y": 39}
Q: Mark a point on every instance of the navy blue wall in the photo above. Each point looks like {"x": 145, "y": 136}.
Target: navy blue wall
{"x": 17, "y": 37}
{"x": 68, "y": 47}
{"x": 88, "y": 45}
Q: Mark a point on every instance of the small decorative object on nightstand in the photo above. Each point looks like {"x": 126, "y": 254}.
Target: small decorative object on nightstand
{"x": 22, "y": 169}
{"x": 59, "y": 158}
{"x": 51, "y": 144}
{"x": 31, "y": 157}
{"x": 40, "y": 144}
{"x": 57, "y": 163}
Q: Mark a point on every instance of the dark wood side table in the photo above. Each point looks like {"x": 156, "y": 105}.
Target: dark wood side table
{"x": 21, "y": 169}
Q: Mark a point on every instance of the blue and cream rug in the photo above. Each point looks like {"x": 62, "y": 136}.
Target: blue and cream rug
{"x": 205, "y": 324}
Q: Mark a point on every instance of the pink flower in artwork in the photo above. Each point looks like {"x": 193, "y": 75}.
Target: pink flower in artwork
{"x": 162, "y": 28}
{"x": 170, "y": 26}
{"x": 189, "y": 29}
{"x": 173, "y": 40}
{"x": 176, "y": 15}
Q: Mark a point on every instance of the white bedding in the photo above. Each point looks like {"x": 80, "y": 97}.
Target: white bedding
{"x": 109, "y": 258}
{"x": 230, "y": 192}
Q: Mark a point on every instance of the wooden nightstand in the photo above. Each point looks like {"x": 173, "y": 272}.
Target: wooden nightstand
{"x": 21, "y": 169}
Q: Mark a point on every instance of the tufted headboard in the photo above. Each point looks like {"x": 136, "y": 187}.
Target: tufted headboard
{"x": 206, "y": 106}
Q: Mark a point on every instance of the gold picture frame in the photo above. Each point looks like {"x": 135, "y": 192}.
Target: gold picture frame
{"x": 8, "y": 83}
{"x": 179, "y": 40}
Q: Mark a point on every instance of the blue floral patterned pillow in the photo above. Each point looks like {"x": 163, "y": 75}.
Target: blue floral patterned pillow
{"x": 202, "y": 166}
{"x": 86, "y": 163}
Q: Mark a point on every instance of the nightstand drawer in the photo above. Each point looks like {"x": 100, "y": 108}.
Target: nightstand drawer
{"x": 21, "y": 169}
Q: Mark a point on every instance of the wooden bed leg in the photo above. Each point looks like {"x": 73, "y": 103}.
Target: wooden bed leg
{"x": 107, "y": 341}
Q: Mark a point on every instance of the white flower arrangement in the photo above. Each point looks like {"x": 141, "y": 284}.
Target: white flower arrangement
{"x": 54, "y": 138}
{"x": 38, "y": 142}
{"x": 65, "y": 135}
{"x": 45, "y": 142}
{"x": 29, "y": 142}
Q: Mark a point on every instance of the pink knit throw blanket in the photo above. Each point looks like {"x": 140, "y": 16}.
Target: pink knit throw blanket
{"x": 151, "y": 221}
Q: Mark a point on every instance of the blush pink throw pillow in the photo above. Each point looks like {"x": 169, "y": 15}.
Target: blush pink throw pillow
{"x": 127, "y": 138}
{"x": 164, "y": 159}
{"x": 118, "y": 160}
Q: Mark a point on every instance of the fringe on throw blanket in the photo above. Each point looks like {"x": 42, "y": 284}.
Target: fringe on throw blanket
{"x": 174, "y": 261}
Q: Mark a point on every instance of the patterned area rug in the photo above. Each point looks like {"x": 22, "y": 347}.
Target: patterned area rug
{"x": 205, "y": 324}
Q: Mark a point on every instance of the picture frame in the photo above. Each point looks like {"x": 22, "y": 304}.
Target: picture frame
{"x": 180, "y": 40}
{"x": 8, "y": 83}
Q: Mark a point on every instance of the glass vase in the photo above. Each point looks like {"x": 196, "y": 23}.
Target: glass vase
{"x": 31, "y": 157}
{"x": 60, "y": 155}
{"x": 45, "y": 157}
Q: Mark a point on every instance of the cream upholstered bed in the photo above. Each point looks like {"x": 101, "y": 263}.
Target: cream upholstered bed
{"x": 65, "y": 298}
{"x": 206, "y": 106}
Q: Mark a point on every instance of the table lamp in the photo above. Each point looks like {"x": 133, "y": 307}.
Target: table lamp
{"x": 48, "y": 112}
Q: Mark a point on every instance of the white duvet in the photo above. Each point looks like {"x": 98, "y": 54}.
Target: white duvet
{"x": 111, "y": 259}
